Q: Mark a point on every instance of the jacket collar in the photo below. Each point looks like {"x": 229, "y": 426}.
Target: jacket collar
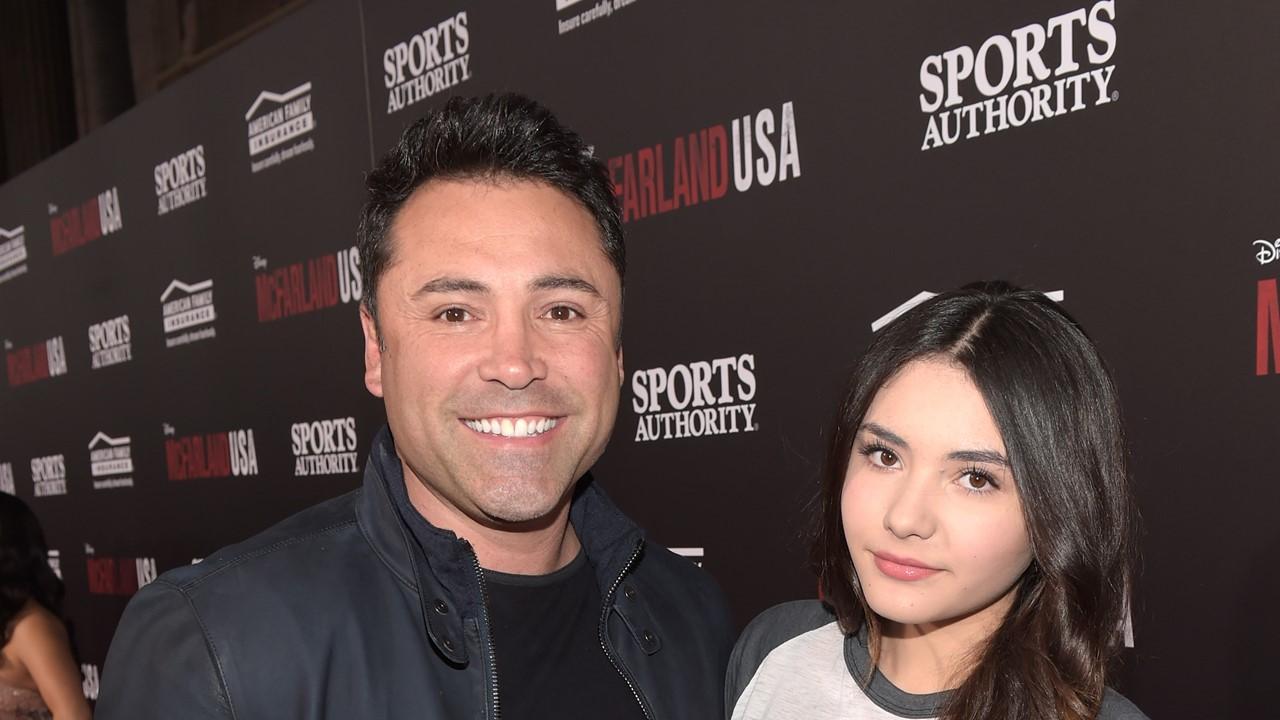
{"x": 442, "y": 569}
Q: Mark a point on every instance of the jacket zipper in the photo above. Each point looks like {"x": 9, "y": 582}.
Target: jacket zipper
{"x": 604, "y": 619}
{"x": 493, "y": 667}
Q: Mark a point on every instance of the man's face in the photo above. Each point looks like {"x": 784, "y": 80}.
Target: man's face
{"x": 499, "y": 316}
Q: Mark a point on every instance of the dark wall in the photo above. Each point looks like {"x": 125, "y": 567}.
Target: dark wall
{"x": 1147, "y": 201}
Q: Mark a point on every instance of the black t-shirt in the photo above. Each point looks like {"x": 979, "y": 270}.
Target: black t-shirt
{"x": 546, "y": 634}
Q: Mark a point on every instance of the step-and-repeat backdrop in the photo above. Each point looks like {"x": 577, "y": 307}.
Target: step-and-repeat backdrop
{"x": 178, "y": 291}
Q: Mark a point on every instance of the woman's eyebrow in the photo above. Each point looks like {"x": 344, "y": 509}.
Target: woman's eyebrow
{"x": 885, "y": 433}
{"x": 980, "y": 456}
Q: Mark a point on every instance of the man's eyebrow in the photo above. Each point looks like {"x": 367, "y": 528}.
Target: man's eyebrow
{"x": 885, "y": 433}
{"x": 451, "y": 285}
{"x": 564, "y": 282}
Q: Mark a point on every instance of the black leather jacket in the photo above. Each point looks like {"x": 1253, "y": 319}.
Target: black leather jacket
{"x": 338, "y": 612}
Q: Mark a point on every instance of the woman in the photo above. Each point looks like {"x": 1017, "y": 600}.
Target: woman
{"x": 38, "y": 677}
{"x": 976, "y": 540}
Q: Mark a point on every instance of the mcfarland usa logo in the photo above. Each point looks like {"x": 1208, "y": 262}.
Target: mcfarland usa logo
{"x": 430, "y": 62}
{"x": 7, "y": 483}
{"x": 307, "y": 286}
{"x": 211, "y": 455}
{"x": 13, "y": 253}
{"x": 185, "y": 307}
{"x": 98, "y": 216}
{"x": 180, "y": 180}
{"x": 110, "y": 462}
{"x": 695, "y": 169}
{"x": 1268, "y": 346}
{"x": 40, "y": 361}
{"x": 122, "y": 576}
{"x": 695, "y": 399}
{"x": 1017, "y": 76}
{"x": 324, "y": 447}
{"x": 278, "y": 118}
{"x": 110, "y": 342}
{"x": 49, "y": 475}
{"x": 579, "y": 15}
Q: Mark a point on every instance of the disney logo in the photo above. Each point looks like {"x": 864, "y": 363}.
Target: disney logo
{"x": 1268, "y": 250}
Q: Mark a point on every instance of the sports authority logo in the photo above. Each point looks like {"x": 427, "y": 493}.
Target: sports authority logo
{"x": 110, "y": 342}
{"x": 894, "y": 314}
{"x": 695, "y": 554}
{"x": 13, "y": 253}
{"x": 110, "y": 462}
{"x": 430, "y": 62}
{"x": 211, "y": 455}
{"x": 40, "y": 361}
{"x": 695, "y": 399}
{"x": 98, "y": 216}
{"x": 653, "y": 180}
{"x": 91, "y": 681}
{"x": 55, "y": 562}
{"x": 278, "y": 118}
{"x": 180, "y": 180}
{"x": 188, "y": 306}
{"x": 1013, "y": 75}
{"x": 324, "y": 447}
{"x": 118, "y": 575}
{"x": 307, "y": 286}
{"x": 579, "y": 16}
{"x": 49, "y": 475}
{"x": 7, "y": 483}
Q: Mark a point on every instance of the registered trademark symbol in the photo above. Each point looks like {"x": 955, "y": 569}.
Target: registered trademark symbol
{"x": 1115, "y": 95}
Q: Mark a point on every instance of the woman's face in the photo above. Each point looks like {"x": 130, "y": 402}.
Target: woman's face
{"x": 931, "y": 511}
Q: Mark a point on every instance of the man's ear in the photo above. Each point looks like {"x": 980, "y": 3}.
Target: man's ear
{"x": 372, "y": 352}
{"x": 622, "y": 373}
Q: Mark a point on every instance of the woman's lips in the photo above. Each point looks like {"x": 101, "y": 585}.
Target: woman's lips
{"x": 902, "y": 568}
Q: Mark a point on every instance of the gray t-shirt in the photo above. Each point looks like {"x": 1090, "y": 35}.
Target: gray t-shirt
{"x": 794, "y": 663}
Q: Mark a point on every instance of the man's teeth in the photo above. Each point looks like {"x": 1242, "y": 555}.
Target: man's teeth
{"x": 506, "y": 427}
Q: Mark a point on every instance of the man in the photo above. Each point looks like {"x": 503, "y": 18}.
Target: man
{"x": 479, "y": 572}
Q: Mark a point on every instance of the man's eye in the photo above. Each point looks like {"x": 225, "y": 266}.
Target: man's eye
{"x": 562, "y": 313}
{"x": 454, "y": 315}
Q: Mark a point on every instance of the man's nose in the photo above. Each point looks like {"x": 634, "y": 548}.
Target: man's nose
{"x": 514, "y": 357}
{"x": 911, "y": 509}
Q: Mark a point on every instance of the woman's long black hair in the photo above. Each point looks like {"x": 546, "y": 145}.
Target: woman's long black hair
{"x": 24, "y": 564}
{"x": 1055, "y": 405}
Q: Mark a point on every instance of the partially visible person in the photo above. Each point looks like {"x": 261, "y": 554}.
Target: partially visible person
{"x": 975, "y": 545}
{"x": 38, "y": 676}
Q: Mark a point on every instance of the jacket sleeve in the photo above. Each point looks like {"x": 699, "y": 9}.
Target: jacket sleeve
{"x": 162, "y": 662}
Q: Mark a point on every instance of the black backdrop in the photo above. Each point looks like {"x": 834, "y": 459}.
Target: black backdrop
{"x": 1153, "y": 212}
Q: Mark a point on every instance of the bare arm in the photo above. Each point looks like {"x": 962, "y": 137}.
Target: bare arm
{"x": 40, "y": 643}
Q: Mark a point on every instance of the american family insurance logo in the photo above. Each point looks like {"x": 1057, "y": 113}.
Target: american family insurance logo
{"x": 110, "y": 462}
{"x": 1032, "y": 74}
{"x": 695, "y": 399}
{"x": 211, "y": 455}
{"x": 324, "y": 447}
{"x": 55, "y": 562}
{"x": 306, "y": 286}
{"x": 278, "y": 118}
{"x": 110, "y": 342}
{"x": 573, "y": 14}
{"x": 32, "y": 363}
{"x": 7, "y": 483}
{"x": 94, "y": 218}
{"x": 429, "y": 62}
{"x": 894, "y": 314}
{"x": 91, "y": 681}
{"x": 180, "y": 180}
{"x": 49, "y": 475}
{"x": 13, "y": 253}
{"x": 122, "y": 576}
{"x": 188, "y": 312}
{"x": 695, "y": 168}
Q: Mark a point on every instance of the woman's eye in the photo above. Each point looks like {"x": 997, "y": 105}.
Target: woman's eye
{"x": 884, "y": 457}
{"x": 562, "y": 313}
{"x": 975, "y": 481}
{"x": 454, "y": 315}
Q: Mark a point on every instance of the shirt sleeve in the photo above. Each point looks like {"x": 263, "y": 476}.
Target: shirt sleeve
{"x": 162, "y": 662}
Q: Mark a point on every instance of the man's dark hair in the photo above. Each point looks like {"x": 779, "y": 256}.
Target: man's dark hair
{"x": 494, "y": 137}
